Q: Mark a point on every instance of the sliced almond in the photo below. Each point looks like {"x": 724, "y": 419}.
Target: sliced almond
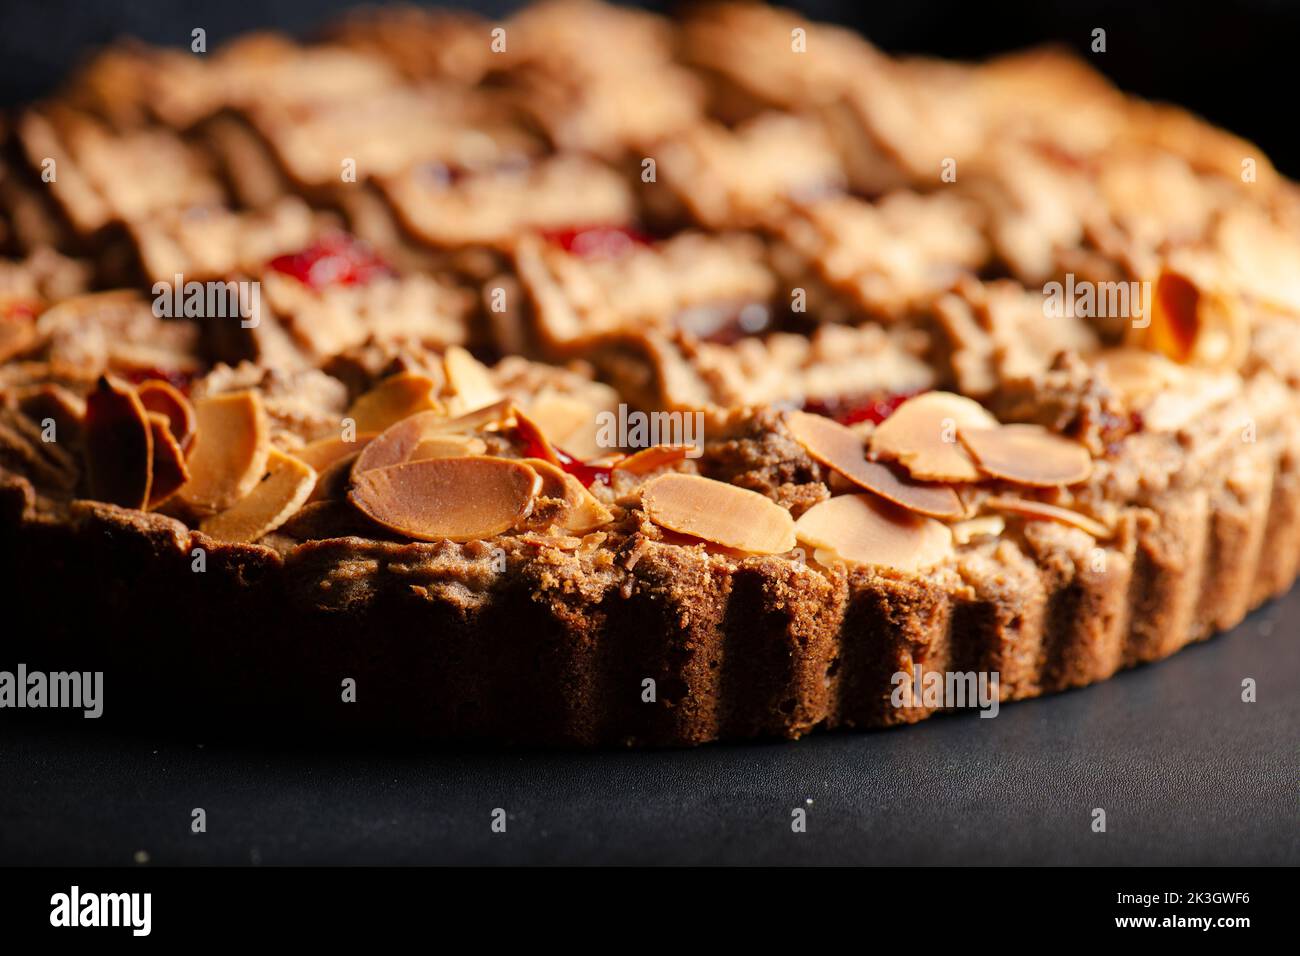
{"x": 864, "y": 529}
{"x": 718, "y": 512}
{"x": 571, "y": 421}
{"x": 334, "y": 482}
{"x": 652, "y": 459}
{"x": 448, "y": 446}
{"x": 581, "y": 510}
{"x": 395, "y": 398}
{"x": 1195, "y": 323}
{"x": 169, "y": 470}
{"x": 231, "y": 446}
{"x": 840, "y": 448}
{"x": 1041, "y": 510}
{"x": 921, "y": 435}
{"x": 985, "y": 526}
{"x": 535, "y": 438}
{"x": 119, "y": 445}
{"x": 399, "y": 443}
{"x": 457, "y": 499}
{"x": 324, "y": 452}
{"x": 469, "y": 380}
{"x": 1136, "y": 373}
{"x": 273, "y": 501}
{"x": 165, "y": 399}
{"x": 1028, "y": 455}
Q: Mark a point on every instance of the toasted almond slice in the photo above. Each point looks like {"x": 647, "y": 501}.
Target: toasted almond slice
{"x": 469, "y": 380}
{"x": 1179, "y": 406}
{"x": 532, "y": 435}
{"x": 17, "y": 335}
{"x": 865, "y": 529}
{"x": 652, "y": 459}
{"x": 119, "y": 445}
{"x": 718, "y": 512}
{"x": 448, "y": 446}
{"x": 1041, "y": 510}
{"x": 324, "y": 452}
{"x": 231, "y": 445}
{"x": 1196, "y": 324}
{"x": 169, "y": 470}
{"x": 582, "y": 511}
{"x": 1137, "y": 373}
{"x": 457, "y": 499}
{"x": 334, "y": 482}
{"x": 1028, "y": 455}
{"x": 922, "y": 436}
{"x": 840, "y": 448}
{"x": 964, "y": 532}
{"x": 165, "y": 399}
{"x": 396, "y": 397}
{"x": 398, "y": 443}
{"x": 271, "y": 503}
{"x": 571, "y": 421}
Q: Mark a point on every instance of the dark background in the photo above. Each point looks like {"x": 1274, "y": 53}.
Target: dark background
{"x": 1235, "y": 63}
{"x": 1186, "y": 772}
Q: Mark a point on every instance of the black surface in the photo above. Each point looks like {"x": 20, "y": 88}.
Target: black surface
{"x": 1186, "y": 772}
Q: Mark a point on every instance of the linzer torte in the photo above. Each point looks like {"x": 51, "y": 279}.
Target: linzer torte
{"x": 594, "y": 378}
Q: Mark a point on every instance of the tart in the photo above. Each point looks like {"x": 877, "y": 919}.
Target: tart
{"x": 700, "y": 406}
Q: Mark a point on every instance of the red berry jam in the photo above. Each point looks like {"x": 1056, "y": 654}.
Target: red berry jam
{"x": 596, "y": 242}
{"x": 862, "y": 408}
{"x": 587, "y": 474}
{"x": 335, "y": 259}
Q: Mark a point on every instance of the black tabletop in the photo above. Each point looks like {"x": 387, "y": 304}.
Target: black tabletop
{"x": 1185, "y": 771}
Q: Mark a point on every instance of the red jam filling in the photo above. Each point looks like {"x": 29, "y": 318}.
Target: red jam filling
{"x": 587, "y": 474}
{"x": 596, "y": 242}
{"x": 862, "y": 408}
{"x": 335, "y": 259}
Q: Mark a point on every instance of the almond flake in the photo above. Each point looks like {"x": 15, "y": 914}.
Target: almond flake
{"x": 922, "y": 436}
{"x": 469, "y": 379}
{"x": 271, "y": 503}
{"x": 401, "y": 442}
{"x": 119, "y": 445}
{"x": 169, "y": 472}
{"x": 841, "y": 449}
{"x": 1194, "y": 323}
{"x": 581, "y": 511}
{"x": 864, "y": 529}
{"x": 231, "y": 445}
{"x": 324, "y": 452}
{"x": 395, "y": 398}
{"x": 334, "y": 481}
{"x": 531, "y": 434}
{"x": 1136, "y": 373}
{"x": 571, "y": 421}
{"x": 1041, "y": 510}
{"x": 165, "y": 399}
{"x": 457, "y": 499}
{"x": 718, "y": 512}
{"x": 448, "y": 446}
{"x": 1028, "y": 455}
{"x": 985, "y": 526}
{"x": 652, "y": 459}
